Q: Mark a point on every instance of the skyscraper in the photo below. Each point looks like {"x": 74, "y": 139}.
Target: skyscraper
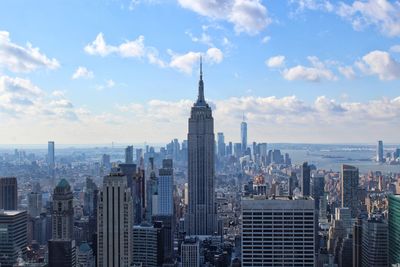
{"x": 13, "y": 236}
{"x": 190, "y": 253}
{"x": 221, "y": 145}
{"x": 129, "y": 154}
{"x": 146, "y": 241}
{"x": 201, "y": 214}
{"x": 243, "y": 135}
{"x": 394, "y": 229}
{"x": 114, "y": 222}
{"x": 349, "y": 188}
{"x": 305, "y": 179}
{"x": 8, "y": 193}
{"x": 34, "y": 203}
{"x": 50, "y": 157}
{"x": 374, "y": 243}
{"x": 165, "y": 189}
{"x": 62, "y": 213}
{"x": 379, "y": 152}
{"x": 278, "y": 232}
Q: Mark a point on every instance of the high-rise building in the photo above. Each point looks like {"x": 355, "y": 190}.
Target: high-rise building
{"x": 278, "y": 232}
{"x": 349, "y": 188}
{"x": 62, "y": 252}
{"x": 221, "y": 145}
{"x": 35, "y": 204}
{"x": 201, "y": 216}
{"x": 379, "y": 152}
{"x": 243, "y": 135}
{"x": 305, "y": 179}
{"x": 394, "y": 229}
{"x": 190, "y": 253}
{"x": 13, "y": 236}
{"x": 129, "y": 155}
{"x": 375, "y": 245}
{"x": 166, "y": 242}
{"x": 62, "y": 212}
{"x": 114, "y": 222}
{"x": 166, "y": 188}
{"x": 318, "y": 188}
{"x": 357, "y": 242}
{"x": 51, "y": 157}
{"x": 8, "y": 193}
{"x": 145, "y": 245}
{"x": 84, "y": 256}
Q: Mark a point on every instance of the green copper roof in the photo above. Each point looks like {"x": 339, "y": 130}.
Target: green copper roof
{"x": 84, "y": 247}
{"x": 63, "y": 184}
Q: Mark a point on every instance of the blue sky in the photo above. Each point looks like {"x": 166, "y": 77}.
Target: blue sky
{"x": 126, "y": 71}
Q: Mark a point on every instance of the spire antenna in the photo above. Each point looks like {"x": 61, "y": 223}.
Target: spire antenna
{"x": 201, "y": 68}
{"x": 200, "y": 98}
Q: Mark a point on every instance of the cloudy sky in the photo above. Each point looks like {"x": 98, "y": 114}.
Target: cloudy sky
{"x": 93, "y": 72}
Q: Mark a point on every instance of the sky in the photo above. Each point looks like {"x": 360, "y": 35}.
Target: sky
{"x": 126, "y": 71}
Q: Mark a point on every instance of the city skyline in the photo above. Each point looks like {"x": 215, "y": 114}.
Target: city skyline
{"x": 262, "y": 59}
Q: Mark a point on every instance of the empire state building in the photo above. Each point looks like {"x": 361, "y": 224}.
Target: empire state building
{"x": 201, "y": 217}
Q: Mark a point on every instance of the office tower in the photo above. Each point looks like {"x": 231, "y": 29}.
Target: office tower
{"x": 357, "y": 242}
{"x": 114, "y": 222}
{"x": 106, "y": 161}
{"x": 201, "y": 213}
{"x": 344, "y": 215}
{"x": 278, "y": 232}
{"x": 62, "y": 213}
{"x": 84, "y": 256}
{"x": 151, "y": 191}
{"x": 62, "y": 253}
{"x": 394, "y": 229}
{"x": 379, "y": 152}
{"x": 13, "y": 236}
{"x": 243, "y": 135}
{"x": 305, "y": 179}
{"x": 8, "y": 193}
{"x": 50, "y": 157}
{"x": 229, "y": 149}
{"x": 346, "y": 252}
{"x": 221, "y": 145}
{"x": 129, "y": 154}
{"x": 166, "y": 243}
{"x": 145, "y": 245}
{"x": 89, "y": 206}
{"x": 165, "y": 188}
{"x": 349, "y": 188}
{"x": 375, "y": 248}
{"x": 139, "y": 155}
{"x": 190, "y": 253}
{"x": 34, "y": 204}
{"x": 318, "y": 187}
{"x": 237, "y": 150}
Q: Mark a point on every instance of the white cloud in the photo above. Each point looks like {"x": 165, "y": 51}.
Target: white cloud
{"x": 214, "y": 55}
{"x": 347, "y": 71}
{"x": 395, "y": 48}
{"x": 249, "y": 16}
{"x": 382, "y": 64}
{"x": 382, "y": 14}
{"x": 317, "y": 72}
{"x": 275, "y": 62}
{"x": 266, "y": 39}
{"x": 108, "y": 85}
{"x": 286, "y": 119}
{"x": 185, "y": 62}
{"x": 27, "y": 58}
{"x": 128, "y": 49}
{"x": 204, "y": 38}
{"x": 21, "y": 99}
{"x": 82, "y": 72}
